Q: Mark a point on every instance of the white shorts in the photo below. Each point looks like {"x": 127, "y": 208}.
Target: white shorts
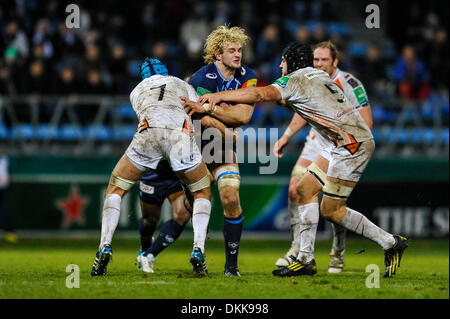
{"x": 154, "y": 144}
{"x": 316, "y": 145}
{"x": 347, "y": 166}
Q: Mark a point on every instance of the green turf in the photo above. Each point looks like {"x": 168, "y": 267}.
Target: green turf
{"x": 37, "y": 269}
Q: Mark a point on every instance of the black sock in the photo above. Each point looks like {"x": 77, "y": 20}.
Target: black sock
{"x": 232, "y": 230}
{"x": 146, "y": 232}
{"x": 170, "y": 231}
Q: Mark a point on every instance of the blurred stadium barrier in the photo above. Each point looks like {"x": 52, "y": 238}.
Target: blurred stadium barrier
{"x": 87, "y": 124}
{"x": 53, "y": 193}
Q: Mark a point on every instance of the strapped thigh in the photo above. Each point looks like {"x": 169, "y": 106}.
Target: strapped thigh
{"x": 318, "y": 173}
{"x": 336, "y": 190}
{"x": 228, "y": 176}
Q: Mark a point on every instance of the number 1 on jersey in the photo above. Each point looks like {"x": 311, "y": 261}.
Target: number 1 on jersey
{"x": 161, "y": 94}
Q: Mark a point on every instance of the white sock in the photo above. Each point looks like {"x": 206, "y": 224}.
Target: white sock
{"x": 294, "y": 221}
{"x": 200, "y": 220}
{"x": 110, "y": 218}
{"x": 309, "y": 218}
{"x": 359, "y": 224}
{"x": 339, "y": 233}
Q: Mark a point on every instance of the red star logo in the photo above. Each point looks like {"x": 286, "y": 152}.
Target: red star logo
{"x": 72, "y": 208}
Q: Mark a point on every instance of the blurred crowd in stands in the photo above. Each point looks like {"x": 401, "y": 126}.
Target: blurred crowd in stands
{"x": 39, "y": 54}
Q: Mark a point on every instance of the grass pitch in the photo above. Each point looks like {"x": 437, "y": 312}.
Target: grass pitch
{"x": 37, "y": 269}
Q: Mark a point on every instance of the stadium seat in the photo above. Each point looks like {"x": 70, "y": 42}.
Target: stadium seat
{"x": 22, "y": 130}
{"x": 97, "y": 132}
{"x": 339, "y": 28}
{"x": 4, "y": 132}
{"x": 291, "y": 26}
{"x": 429, "y": 135}
{"x": 123, "y": 132}
{"x": 282, "y": 114}
{"x": 312, "y": 24}
{"x": 257, "y": 117}
{"x": 133, "y": 68}
{"x": 379, "y": 113}
{"x": 45, "y": 131}
{"x": 70, "y": 132}
{"x": 388, "y": 52}
{"x": 376, "y": 135}
{"x": 357, "y": 49}
{"x": 443, "y": 136}
{"x": 125, "y": 111}
{"x": 427, "y": 111}
{"x": 416, "y": 136}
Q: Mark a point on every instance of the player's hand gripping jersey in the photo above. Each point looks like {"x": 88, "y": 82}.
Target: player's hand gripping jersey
{"x": 209, "y": 79}
{"x": 320, "y": 101}
{"x": 156, "y": 101}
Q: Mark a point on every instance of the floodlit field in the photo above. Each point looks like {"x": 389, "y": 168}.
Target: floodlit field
{"x": 37, "y": 269}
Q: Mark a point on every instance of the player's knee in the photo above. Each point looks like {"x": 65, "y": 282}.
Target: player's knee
{"x": 332, "y": 210}
{"x": 181, "y": 215}
{"x": 292, "y": 192}
{"x": 182, "y": 218}
{"x": 149, "y": 221}
{"x": 230, "y": 202}
{"x": 303, "y": 192}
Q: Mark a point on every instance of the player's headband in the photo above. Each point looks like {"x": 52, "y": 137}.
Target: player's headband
{"x": 152, "y": 67}
{"x": 298, "y": 55}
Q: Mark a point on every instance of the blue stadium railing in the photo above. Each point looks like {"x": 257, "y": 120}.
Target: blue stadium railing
{"x": 421, "y": 125}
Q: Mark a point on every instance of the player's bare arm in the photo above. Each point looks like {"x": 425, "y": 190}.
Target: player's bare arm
{"x": 296, "y": 124}
{"x": 232, "y": 116}
{"x": 209, "y": 121}
{"x": 249, "y": 95}
{"x": 366, "y": 114}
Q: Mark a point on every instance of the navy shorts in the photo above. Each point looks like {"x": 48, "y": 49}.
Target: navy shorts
{"x": 156, "y": 185}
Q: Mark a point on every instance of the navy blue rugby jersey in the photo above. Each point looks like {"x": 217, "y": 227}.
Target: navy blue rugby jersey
{"x": 209, "y": 79}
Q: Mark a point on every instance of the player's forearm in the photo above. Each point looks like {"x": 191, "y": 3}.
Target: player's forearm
{"x": 297, "y": 123}
{"x": 249, "y": 95}
{"x": 207, "y": 122}
{"x": 366, "y": 114}
{"x": 235, "y": 115}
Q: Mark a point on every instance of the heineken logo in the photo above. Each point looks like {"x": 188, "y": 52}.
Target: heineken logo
{"x": 282, "y": 82}
{"x": 360, "y": 95}
{"x": 201, "y": 91}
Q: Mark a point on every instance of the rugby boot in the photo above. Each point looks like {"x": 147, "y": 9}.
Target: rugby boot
{"x": 336, "y": 264}
{"x": 288, "y": 258}
{"x": 145, "y": 263}
{"x": 297, "y": 268}
{"x": 393, "y": 256}
{"x": 232, "y": 271}
{"x": 102, "y": 258}
{"x": 198, "y": 262}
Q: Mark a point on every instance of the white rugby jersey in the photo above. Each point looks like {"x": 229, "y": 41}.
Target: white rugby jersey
{"x": 319, "y": 100}
{"x": 352, "y": 87}
{"x": 157, "y": 100}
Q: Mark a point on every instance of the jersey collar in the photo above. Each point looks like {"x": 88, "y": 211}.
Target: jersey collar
{"x": 222, "y": 76}
{"x": 336, "y": 74}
